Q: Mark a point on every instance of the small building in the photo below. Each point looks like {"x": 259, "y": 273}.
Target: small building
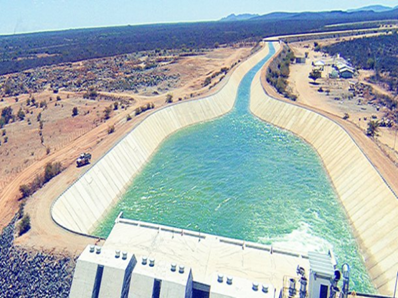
{"x": 300, "y": 60}
{"x": 319, "y": 65}
{"x": 333, "y": 74}
{"x": 346, "y": 73}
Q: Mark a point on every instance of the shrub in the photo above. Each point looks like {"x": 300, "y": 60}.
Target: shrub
{"x": 111, "y": 129}
{"x": 373, "y": 128}
{"x": 169, "y": 98}
{"x": 7, "y": 115}
{"x": 128, "y": 118}
{"x": 107, "y": 112}
{"x": 90, "y": 94}
{"x": 138, "y": 111}
{"x": 25, "y": 191}
{"x": 21, "y": 209}
{"x": 21, "y": 115}
{"x": 346, "y": 116}
{"x": 207, "y": 82}
{"x": 43, "y": 103}
{"x": 51, "y": 170}
{"x": 75, "y": 112}
{"x": 24, "y": 225}
{"x": 36, "y": 183}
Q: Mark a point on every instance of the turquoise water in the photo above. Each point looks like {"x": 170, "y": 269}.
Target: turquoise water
{"x": 239, "y": 177}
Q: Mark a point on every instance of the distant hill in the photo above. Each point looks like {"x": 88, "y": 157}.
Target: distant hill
{"x": 372, "y": 12}
{"x": 375, "y": 8}
{"x": 240, "y": 17}
{"x": 333, "y": 16}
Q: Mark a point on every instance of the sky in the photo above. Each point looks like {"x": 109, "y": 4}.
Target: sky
{"x": 21, "y": 16}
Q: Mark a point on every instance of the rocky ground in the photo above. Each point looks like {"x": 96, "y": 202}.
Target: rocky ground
{"x": 32, "y": 273}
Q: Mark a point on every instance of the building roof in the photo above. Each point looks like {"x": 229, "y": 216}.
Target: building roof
{"x": 321, "y": 264}
{"x": 239, "y": 287}
{"x": 204, "y": 253}
{"x": 344, "y": 69}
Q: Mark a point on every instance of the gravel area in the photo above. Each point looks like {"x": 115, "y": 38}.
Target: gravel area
{"x": 31, "y": 273}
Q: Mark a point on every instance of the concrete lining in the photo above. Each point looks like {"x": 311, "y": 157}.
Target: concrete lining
{"x": 80, "y": 207}
{"x": 353, "y": 176}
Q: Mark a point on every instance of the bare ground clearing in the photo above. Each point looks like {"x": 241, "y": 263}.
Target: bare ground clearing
{"x": 339, "y": 101}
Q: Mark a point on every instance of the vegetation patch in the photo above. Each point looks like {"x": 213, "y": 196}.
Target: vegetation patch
{"x": 278, "y": 72}
{"x": 24, "y": 225}
{"x": 50, "y": 171}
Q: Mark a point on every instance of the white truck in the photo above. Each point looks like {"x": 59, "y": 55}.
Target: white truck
{"x": 83, "y": 159}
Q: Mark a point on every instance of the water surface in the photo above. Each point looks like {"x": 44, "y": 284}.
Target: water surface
{"x": 239, "y": 177}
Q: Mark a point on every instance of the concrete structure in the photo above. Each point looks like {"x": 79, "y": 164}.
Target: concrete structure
{"x": 173, "y": 263}
{"x": 83, "y": 205}
{"x": 102, "y": 273}
{"x": 165, "y": 262}
{"x": 370, "y": 204}
{"x": 205, "y": 254}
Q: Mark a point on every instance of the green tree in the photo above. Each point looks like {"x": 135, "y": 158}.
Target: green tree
{"x": 51, "y": 170}
{"x": 6, "y": 114}
{"x": 25, "y": 191}
{"x": 370, "y": 63}
{"x": 373, "y": 128}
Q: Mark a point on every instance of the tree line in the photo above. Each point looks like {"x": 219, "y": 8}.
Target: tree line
{"x": 21, "y": 52}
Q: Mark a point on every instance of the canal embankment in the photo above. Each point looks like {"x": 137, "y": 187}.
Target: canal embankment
{"x": 370, "y": 203}
{"x": 84, "y": 203}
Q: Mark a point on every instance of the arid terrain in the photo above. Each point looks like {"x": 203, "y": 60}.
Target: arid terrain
{"x": 49, "y": 132}
{"x": 355, "y": 97}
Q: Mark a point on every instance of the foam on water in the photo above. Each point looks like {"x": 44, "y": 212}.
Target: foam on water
{"x": 301, "y": 239}
{"x": 239, "y": 177}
